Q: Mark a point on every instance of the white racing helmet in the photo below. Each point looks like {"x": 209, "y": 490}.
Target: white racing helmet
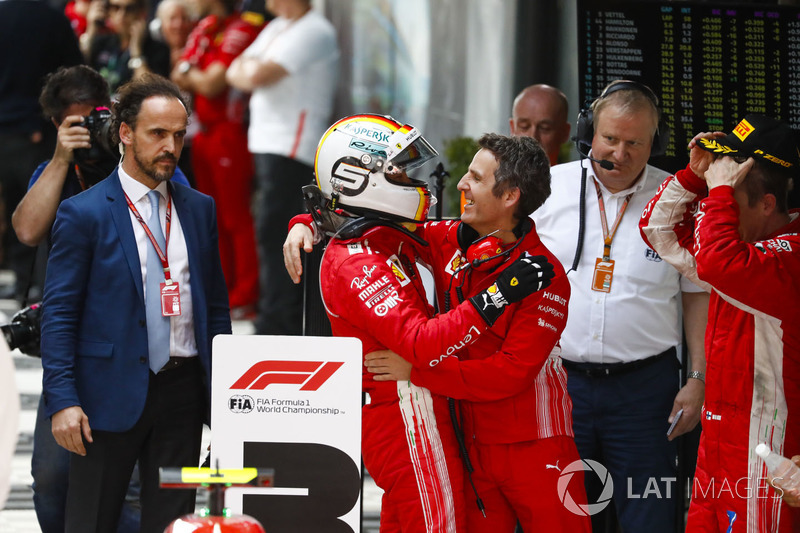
{"x": 351, "y": 166}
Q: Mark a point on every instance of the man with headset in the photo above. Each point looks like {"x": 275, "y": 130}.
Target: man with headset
{"x": 516, "y": 410}
{"x": 619, "y": 343}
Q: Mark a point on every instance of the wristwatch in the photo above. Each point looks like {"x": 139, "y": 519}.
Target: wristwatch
{"x": 135, "y": 62}
{"x": 696, "y": 374}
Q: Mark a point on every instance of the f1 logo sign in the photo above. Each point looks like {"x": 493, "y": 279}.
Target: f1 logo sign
{"x": 310, "y": 374}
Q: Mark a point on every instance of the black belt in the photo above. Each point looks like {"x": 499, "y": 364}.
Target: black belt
{"x": 176, "y": 362}
{"x": 594, "y": 370}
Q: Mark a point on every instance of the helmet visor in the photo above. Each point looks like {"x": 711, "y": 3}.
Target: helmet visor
{"x": 408, "y": 149}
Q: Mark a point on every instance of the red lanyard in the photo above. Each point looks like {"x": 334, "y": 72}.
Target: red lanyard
{"x": 608, "y": 237}
{"x": 162, "y": 255}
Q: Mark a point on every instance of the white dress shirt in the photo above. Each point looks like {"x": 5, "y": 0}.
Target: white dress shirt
{"x": 181, "y": 339}
{"x": 289, "y": 116}
{"x": 639, "y": 318}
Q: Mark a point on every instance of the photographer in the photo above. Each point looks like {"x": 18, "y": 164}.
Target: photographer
{"x": 68, "y": 96}
{"x": 75, "y": 100}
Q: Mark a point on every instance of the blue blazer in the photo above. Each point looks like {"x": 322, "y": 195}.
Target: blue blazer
{"x": 94, "y": 333}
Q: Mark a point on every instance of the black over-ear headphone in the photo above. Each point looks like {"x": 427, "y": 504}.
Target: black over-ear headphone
{"x": 585, "y": 126}
{"x": 484, "y": 253}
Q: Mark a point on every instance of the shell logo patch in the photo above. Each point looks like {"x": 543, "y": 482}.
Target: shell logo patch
{"x": 743, "y": 129}
{"x": 455, "y": 263}
{"x": 397, "y": 270}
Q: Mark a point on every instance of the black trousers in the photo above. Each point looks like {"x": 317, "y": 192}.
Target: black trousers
{"x": 279, "y": 197}
{"x": 168, "y": 433}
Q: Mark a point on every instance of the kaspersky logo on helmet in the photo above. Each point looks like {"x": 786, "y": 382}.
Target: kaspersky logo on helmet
{"x": 367, "y": 132}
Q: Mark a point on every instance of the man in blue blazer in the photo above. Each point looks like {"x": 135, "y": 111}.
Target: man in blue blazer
{"x": 134, "y": 295}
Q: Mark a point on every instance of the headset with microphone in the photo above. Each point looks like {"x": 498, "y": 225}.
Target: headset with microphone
{"x": 486, "y": 253}
{"x": 482, "y": 253}
{"x": 604, "y": 163}
{"x": 584, "y": 134}
{"x": 584, "y": 128}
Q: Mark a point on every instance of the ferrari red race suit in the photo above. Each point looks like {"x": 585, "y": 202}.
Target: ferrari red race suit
{"x": 752, "y": 349}
{"x": 372, "y": 291}
{"x": 222, "y": 166}
{"x": 516, "y": 409}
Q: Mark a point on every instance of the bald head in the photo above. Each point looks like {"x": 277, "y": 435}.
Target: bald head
{"x": 540, "y": 111}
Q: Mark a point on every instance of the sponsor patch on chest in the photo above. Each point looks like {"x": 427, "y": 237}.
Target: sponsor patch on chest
{"x": 455, "y": 263}
{"x": 397, "y": 268}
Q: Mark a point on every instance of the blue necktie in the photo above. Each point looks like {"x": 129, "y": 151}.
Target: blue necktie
{"x": 157, "y": 324}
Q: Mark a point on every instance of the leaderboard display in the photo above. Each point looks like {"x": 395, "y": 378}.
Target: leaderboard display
{"x": 709, "y": 64}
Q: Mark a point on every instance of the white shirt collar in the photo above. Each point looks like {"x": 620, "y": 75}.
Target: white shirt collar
{"x": 637, "y": 185}
{"x": 136, "y": 190}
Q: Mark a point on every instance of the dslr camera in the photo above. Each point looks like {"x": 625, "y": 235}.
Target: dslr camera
{"x": 97, "y": 162}
{"x": 24, "y": 331}
{"x": 99, "y": 125}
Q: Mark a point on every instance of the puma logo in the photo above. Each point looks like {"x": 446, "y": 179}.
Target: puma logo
{"x": 555, "y": 467}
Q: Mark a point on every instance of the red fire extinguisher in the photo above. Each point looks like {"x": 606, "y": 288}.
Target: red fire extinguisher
{"x": 216, "y": 518}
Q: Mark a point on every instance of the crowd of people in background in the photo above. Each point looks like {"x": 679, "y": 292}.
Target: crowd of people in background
{"x": 287, "y": 105}
{"x": 642, "y": 259}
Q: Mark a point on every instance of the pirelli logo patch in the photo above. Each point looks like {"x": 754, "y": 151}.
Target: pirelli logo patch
{"x": 743, "y": 129}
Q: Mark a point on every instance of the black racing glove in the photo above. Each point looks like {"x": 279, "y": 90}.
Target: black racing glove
{"x": 525, "y": 276}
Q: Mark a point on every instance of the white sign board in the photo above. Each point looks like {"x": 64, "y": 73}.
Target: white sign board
{"x": 292, "y": 404}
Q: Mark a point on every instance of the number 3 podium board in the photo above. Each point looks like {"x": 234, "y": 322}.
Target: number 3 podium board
{"x": 292, "y": 404}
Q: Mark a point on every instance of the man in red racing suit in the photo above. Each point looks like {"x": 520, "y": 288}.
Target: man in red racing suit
{"x": 372, "y": 291}
{"x": 222, "y": 166}
{"x": 726, "y": 226}
{"x": 517, "y": 414}
{"x": 516, "y": 409}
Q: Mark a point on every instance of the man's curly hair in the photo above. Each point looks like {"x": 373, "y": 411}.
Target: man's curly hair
{"x": 521, "y": 163}
{"x": 132, "y": 94}
{"x": 72, "y": 85}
